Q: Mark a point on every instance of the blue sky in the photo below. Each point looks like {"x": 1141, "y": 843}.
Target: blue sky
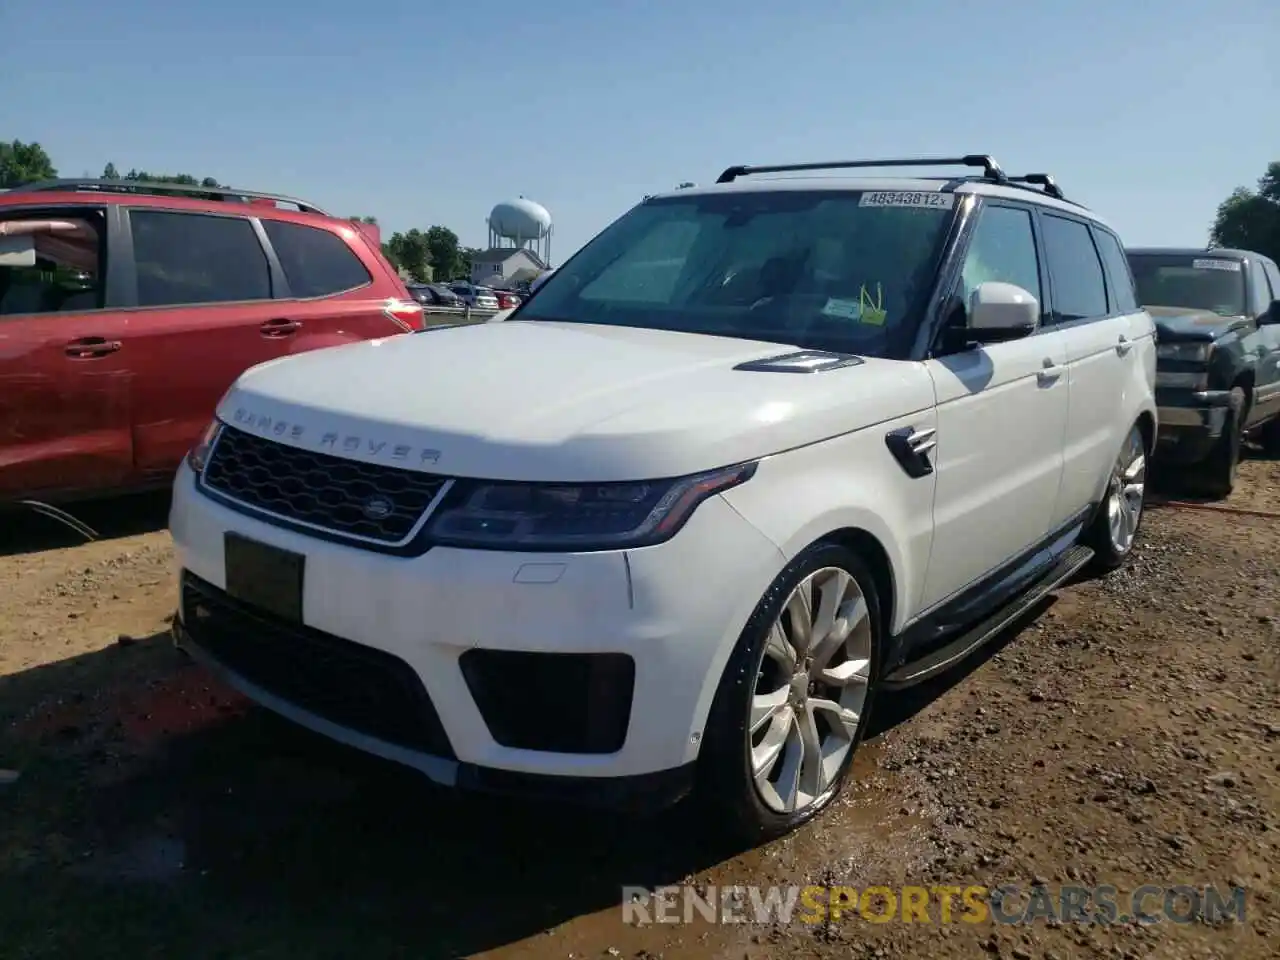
{"x": 431, "y": 112}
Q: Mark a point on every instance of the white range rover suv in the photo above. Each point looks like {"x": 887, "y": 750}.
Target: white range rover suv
{"x": 757, "y": 454}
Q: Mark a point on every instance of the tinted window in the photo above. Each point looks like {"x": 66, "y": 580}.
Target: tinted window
{"x": 1003, "y": 250}
{"x": 1121, "y": 295}
{"x": 1273, "y": 275}
{"x": 1079, "y": 290}
{"x": 193, "y": 258}
{"x": 822, "y": 269}
{"x": 1261, "y": 289}
{"x": 316, "y": 263}
{"x": 1189, "y": 281}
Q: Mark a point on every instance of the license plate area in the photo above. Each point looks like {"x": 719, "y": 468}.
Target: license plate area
{"x": 264, "y": 576}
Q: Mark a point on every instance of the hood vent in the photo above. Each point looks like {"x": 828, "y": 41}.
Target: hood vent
{"x": 803, "y": 361}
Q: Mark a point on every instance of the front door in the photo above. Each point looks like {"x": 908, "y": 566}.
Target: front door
{"x": 64, "y": 379}
{"x": 1002, "y": 414}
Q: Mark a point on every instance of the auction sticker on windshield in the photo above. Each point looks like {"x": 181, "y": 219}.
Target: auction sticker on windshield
{"x": 1231, "y": 266}
{"x": 907, "y": 198}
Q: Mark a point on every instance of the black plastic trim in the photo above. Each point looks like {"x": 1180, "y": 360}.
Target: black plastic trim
{"x": 915, "y": 465}
{"x": 644, "y": 792}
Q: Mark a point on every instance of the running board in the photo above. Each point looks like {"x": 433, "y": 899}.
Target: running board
{"x": 944, "y": 658}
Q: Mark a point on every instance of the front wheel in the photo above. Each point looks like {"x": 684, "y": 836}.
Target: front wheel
{"x": 1115, "y": 526}
{"x": 795, "y": 698}
{"x": 1216, "y": 477}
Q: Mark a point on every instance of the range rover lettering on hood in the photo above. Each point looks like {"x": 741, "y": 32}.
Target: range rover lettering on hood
{"x": 332, "y": 441}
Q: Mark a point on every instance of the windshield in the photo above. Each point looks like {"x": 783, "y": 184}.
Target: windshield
{"x": 1184, "y": 280}
{"x": 845, "y": 271}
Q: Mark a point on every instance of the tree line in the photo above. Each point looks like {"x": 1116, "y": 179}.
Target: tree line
{"x": 421, "y": 254}
{"x": 1248, "y": 219}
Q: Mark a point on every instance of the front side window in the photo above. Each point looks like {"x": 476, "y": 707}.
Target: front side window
{"x": 185, "y": 258}
{"x": 1003, "y": 249}
{"x": 52, "y": 263}
{"x": 847, "y": 271}
{"x": 1190, "y": 281}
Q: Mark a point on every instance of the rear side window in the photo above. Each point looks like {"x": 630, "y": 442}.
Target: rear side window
{"x": 316, "y": 262}
{"x": 187, "y": 258}
{"x": 1123, "y": 298}
{"x": 1079, "y": 290}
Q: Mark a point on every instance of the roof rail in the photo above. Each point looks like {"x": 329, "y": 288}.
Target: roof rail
{"x": 1042, "y": 180}
{"x": 145, "y": 187}
{"x": 990, "y": 169}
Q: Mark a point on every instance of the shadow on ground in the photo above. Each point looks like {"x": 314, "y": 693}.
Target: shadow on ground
{"x": 24, "y": 530}
{"x": 159, "y": 815}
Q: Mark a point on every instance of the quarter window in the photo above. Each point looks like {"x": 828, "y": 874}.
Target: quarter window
{"x": 1121, "y": 294}
{"x": 185, "y": 258}
{"x": 1079, "y": 290}
{"x": 1003, "y": 250}
{"x": 316, "y": 262}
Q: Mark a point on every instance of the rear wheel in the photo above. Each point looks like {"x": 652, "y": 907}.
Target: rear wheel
{"x": 1115, "y": 526}
{"x": 795, "y": 698}
{"x": 1216, "y": 476}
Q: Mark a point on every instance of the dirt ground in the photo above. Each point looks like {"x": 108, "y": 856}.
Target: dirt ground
{"x": 1127, "y": 735}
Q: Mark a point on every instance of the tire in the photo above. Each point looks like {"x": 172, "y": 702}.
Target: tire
{"x": 728, "y": 790}
{"x": 1114, "y": 528}
{"x": 1216, "y": 476}
{"x": 1269, "y": 437}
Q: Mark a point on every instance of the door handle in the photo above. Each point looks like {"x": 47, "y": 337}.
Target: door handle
{"x": 1123, "y": 346}
{"x": 1050, "y": 372}
{"x": 88, "y": 348}
{"x": 280, "y": 327}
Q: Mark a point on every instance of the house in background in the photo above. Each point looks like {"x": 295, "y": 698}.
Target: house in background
{"x": 504, "y": 266}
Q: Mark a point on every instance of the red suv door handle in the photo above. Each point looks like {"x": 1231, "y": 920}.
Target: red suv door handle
{"x": 87, "y": 348}
{"x": 280, "y": 327}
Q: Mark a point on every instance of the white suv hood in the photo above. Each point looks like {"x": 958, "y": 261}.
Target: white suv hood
{"x": 546, "y": 401}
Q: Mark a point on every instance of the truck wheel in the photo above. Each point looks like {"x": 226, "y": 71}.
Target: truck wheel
{"x": 1216, "y": 476}
{"x": 795, "y": 698}
{"x": 1115, "y": 526}
{"x": 1270, "y": 438}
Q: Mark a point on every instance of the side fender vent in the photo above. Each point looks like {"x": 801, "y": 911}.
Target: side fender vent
{"x": 803, "y": 361}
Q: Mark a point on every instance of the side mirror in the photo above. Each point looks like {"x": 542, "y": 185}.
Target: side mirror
{"x": 1001, "y": 311}
{"x": 1272, "y": 315}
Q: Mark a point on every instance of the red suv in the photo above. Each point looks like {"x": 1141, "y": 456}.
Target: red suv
{"x": 127, "y": 309}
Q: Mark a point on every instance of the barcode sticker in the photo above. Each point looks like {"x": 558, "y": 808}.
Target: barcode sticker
{"x": 907, "y": 198}
{"x": 1231, "y": 266}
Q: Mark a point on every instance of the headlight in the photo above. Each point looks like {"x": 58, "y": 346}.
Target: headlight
{"x": 198, "y": 455}
{"x": 1194, "y": 352}
{"x": 595, "y": 516}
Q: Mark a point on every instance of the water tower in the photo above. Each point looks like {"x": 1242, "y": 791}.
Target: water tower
{"x": 522, "y": 223}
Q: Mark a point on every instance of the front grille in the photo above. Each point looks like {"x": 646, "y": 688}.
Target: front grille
{"x": 319, "y": 489}
{"x": 357, "y": 687}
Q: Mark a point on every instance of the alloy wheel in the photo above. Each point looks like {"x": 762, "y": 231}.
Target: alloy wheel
{"x": 810, "y": 691}
{"x": 1126, "y": 493}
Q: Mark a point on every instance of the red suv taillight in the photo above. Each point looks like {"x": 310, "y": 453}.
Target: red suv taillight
{"x": 406, "y": 313}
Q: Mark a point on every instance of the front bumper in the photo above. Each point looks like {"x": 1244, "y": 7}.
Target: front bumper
{"x": 674, "y": 611}
{"x": 1190, "y": 423}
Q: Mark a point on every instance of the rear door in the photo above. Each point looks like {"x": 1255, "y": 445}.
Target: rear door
{"x": 205, "y": 313}
{"x": 64, "y": 379}
{"x": 1101, "y": 351}
{"x": 336, "y": 287}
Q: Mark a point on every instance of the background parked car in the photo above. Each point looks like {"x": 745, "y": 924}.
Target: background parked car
{"x": 127, "y": 312}
{"x": 479, "y": 298}
{"x": 433, "y": 295}
{"x": 1217, "y": 315}
{"x": 507, "y": 299}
